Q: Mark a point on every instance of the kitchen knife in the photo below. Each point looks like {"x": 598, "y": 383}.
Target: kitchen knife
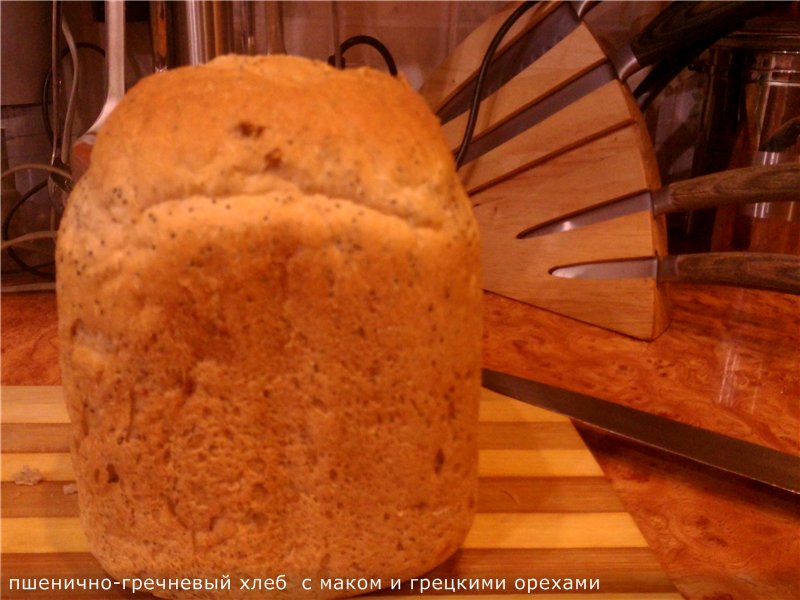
{"x": 775, "y": 272}
{"x": 681, "y": 25}
{"x": 716, "y": 450}
{"x": 773, "y": 183}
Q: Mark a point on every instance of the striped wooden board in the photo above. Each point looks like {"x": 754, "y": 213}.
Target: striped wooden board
{"x": 544, "y": 509}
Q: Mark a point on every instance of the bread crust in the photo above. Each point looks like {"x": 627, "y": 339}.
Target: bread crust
{"x": 270, "y": 328}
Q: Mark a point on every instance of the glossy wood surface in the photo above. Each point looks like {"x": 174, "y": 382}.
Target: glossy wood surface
{"x": 729, "y": 362}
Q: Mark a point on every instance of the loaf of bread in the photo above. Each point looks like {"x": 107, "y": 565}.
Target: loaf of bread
{"x": 270, "y": 328}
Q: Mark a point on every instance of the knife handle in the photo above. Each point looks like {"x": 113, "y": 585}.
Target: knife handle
{"x": 774, "y": 183}
{"x": 776, "y": 272}
{"x": 681, "y": 25}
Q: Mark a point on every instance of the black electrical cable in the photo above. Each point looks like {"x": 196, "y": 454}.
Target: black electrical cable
{"x": 48, "y": 128}
{"x": 6, "y": 235}
{"x": 488, "y": 57}
{"x": 368, "y": 40}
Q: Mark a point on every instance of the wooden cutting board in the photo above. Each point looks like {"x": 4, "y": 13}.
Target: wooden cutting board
{"x": 545, "y": 509}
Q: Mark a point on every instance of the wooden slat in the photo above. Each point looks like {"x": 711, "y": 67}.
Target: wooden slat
{"x": 52, "y": 438}
{"x": 49, "y": 402}
{"x": 554, "y": 530}
{"x": 35, "y": 437}
{"x": 33, "y": 404}
{"x": 45, "y": 499}
{"x": 576, "y": 54}
{"x": 43, "y": 535}
{"x": 599, "y": 172}
{"x": 552, "y": 511}
{"x": 529, "y": 436}
{"x": 599, "y": 113}
{"x": 538, "y": 463}
{"x": 54, "y": 466}
{"x": 492, "y": 463}
{"x": 495, "y": 494}
{"x": 496, "y": 408}
{"x": 547, "y": 494}
{"x": 463, "y": 63}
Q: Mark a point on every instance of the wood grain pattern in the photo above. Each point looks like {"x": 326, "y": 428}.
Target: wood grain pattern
{"x": 496, "y": 494}
{"x": 554, "y": 530}
{"x": 46, "y": 499}
{"x": 30, "y": 339}
{"x": 747, "y": 526}
{"x": 520, "y": 269}
{"x": 525, "y": 436}
{"x": 35, "y": 437}
{"x": 572, "y": 57}
{"x": 43, "y": 535}
{"x": 596, "y": 173}
{"x": 597, "y": 114}
{"x": 55, "y": 535}
{"x": 463, "y": 63}
{"x": 545, "y": 172}
{"x": 600, "y": 171}
{"x": 728, "y": 362}
{"x": 540, "y": 491}
{"x": 547, "y": 494}
{"x": 54, "y": 466}
{"x": 34, "y": 404}
{"x": 764, "y": 271}
{"x": 537, "y": 463}
{"x": 495, "y": 408}
{"x": 774, "y": 183}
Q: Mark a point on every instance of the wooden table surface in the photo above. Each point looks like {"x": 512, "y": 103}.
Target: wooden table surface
{"x": 641, "y": 522}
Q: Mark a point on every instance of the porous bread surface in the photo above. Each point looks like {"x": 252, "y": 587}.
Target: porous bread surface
{"x": 269, "y": 319}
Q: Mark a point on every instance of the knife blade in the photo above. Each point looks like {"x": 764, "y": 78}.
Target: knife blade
{"x": 680, "y": 25}
{"x": 775, "y": 183}
{"x": 774, "y": 272}
{"x": 732, "y": 455}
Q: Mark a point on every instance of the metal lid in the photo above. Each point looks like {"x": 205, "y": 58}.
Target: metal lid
{"x": 771, "y": 33}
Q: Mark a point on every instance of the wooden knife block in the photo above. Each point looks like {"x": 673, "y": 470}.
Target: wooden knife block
{"x": 591, "y": 152}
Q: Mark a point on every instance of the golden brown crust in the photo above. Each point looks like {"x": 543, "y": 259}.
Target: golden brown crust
{"x": 270, "y": 328}
{"x": 243, "y": 124}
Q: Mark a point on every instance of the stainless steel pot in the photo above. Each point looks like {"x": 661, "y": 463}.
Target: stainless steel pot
{"x": 751, "y": 116}
{"x": 191, "y": 32}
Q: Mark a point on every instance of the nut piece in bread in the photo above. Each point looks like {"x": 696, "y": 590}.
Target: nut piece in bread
{"x": 270, "y": 327}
